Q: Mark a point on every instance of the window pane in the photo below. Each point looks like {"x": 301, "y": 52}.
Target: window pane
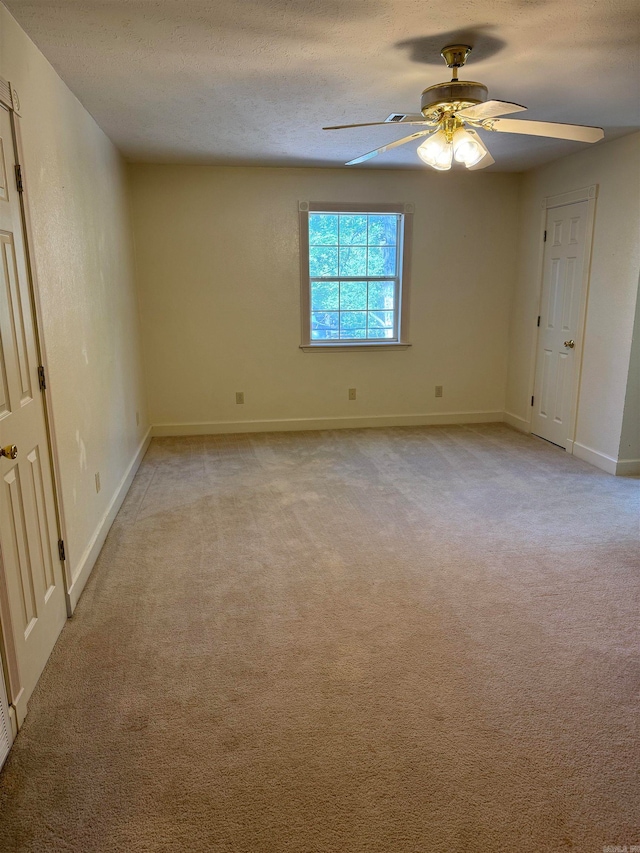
{"x": 381, "y": 295}
{"x": 323, "y": 229}
{"x": 353, "y": 229}
{"x": 380, "y": 333}
{"x": 383, "y": 230}
{"x": 324, "y": 325}
{"x": 325, "y": 296}
{"x": 353, "y": 295}
{"x": 381, "y": 319}
{"x": 361, "y": 334}
{"x": 382, "y": 261}
{"x": 351, "y": 320}
{"x": 323, "y": 260}
{"x": 353, "y": 261}
{"x": 324, "y": 334}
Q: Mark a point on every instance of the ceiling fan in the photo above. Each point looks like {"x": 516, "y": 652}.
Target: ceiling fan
{"x": 450, "y": 114}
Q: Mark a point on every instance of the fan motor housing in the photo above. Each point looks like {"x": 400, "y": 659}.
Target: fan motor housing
{"x": 456, "y": 95}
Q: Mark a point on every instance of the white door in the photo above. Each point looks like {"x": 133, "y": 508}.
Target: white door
{"x": 32, "y": 570}
{"x": 562, "y": 283}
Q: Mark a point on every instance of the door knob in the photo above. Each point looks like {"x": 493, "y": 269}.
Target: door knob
{"x": 570, "y": 344}
{"x": 10, "y": 451}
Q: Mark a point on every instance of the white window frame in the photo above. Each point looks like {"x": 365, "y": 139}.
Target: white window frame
{"x": 401, "y": 340}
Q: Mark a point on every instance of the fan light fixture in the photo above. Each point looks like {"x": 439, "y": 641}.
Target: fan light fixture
{"x": 439, "y": 150}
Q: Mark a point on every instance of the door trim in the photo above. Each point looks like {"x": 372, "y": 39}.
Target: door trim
{"x": 15, "y": 691}
{"x": 590, "y": 195}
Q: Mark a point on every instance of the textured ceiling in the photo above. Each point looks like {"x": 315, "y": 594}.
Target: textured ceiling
{"x": 254, "y": 81}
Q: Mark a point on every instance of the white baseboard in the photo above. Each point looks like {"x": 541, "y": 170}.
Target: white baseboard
{"x": 628, "y": 467}
{"x": 290, "y": 424}
{"x": 521, "y": 424}
{"x": 594, "y": 457}
{"x": 82, "y": 570}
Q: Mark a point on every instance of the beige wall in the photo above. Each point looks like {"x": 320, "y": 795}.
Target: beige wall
{"x": 217, "y": 253}
{"x": 77, "y": 191}
{"x": 615, "y": 167}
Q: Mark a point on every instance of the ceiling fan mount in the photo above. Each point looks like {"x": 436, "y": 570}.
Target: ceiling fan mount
{"x": 451, "y": 114}
{"x": 455, "y": 55}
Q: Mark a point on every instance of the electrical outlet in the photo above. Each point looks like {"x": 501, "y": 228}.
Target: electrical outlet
{"x": 352, "y": 393}
{"x": 239, "y": 397}
{"x": 137, "y": 418}
{"x": 438, "y": 390}
{"x": 97, "y": 482}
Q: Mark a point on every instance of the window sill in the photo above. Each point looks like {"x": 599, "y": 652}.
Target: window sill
{"x": 345, "y": 347}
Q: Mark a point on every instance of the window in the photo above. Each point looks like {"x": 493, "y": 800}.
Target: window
{"x": 354, "y": 272}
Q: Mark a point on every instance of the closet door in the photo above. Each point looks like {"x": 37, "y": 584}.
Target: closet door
{"x": 31, "y": 563}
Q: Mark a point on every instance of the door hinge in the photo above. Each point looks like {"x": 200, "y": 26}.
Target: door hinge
{"x": 19, "y": 183}
{"x": 41, "y": 380}
{"x": 61, "y": 553}
{"x": 538, "y": 319}
{"x": 532, "y": 401}
{"x": 545, "y": 237}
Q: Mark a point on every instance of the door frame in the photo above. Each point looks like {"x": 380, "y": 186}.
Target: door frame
{"x": 590, "y": 195}
{"x": 15, "y": 691}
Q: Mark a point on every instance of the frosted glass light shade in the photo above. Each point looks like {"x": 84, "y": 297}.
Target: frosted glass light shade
{"x": 436, "y": 151}
{"x": 443, "y": 161}
{"x": 467, "y": 147}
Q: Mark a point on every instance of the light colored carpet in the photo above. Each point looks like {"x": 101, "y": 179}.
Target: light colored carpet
{"x": 373, "y": 641}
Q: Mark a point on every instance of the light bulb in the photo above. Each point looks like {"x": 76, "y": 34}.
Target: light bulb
{"x": 467, "y": 147}
{"x": 436, "y": 151}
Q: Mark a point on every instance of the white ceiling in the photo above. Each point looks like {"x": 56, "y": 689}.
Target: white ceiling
{"x": 253, "y": 81}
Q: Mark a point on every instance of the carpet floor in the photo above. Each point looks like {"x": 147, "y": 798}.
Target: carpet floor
{"x": 411, "y": 640}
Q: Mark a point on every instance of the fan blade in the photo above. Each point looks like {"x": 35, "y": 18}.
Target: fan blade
{"x": 490, "y": 109}
{"x": 374, "y": 124}
{"x": 388, "y": 147}
{"x": 576, "y": 132}
{"x": 487, "y": 160}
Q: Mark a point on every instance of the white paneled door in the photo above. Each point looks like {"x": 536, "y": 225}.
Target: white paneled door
{"x": 562, "y": 285}
{"x": 31, "y": 567}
